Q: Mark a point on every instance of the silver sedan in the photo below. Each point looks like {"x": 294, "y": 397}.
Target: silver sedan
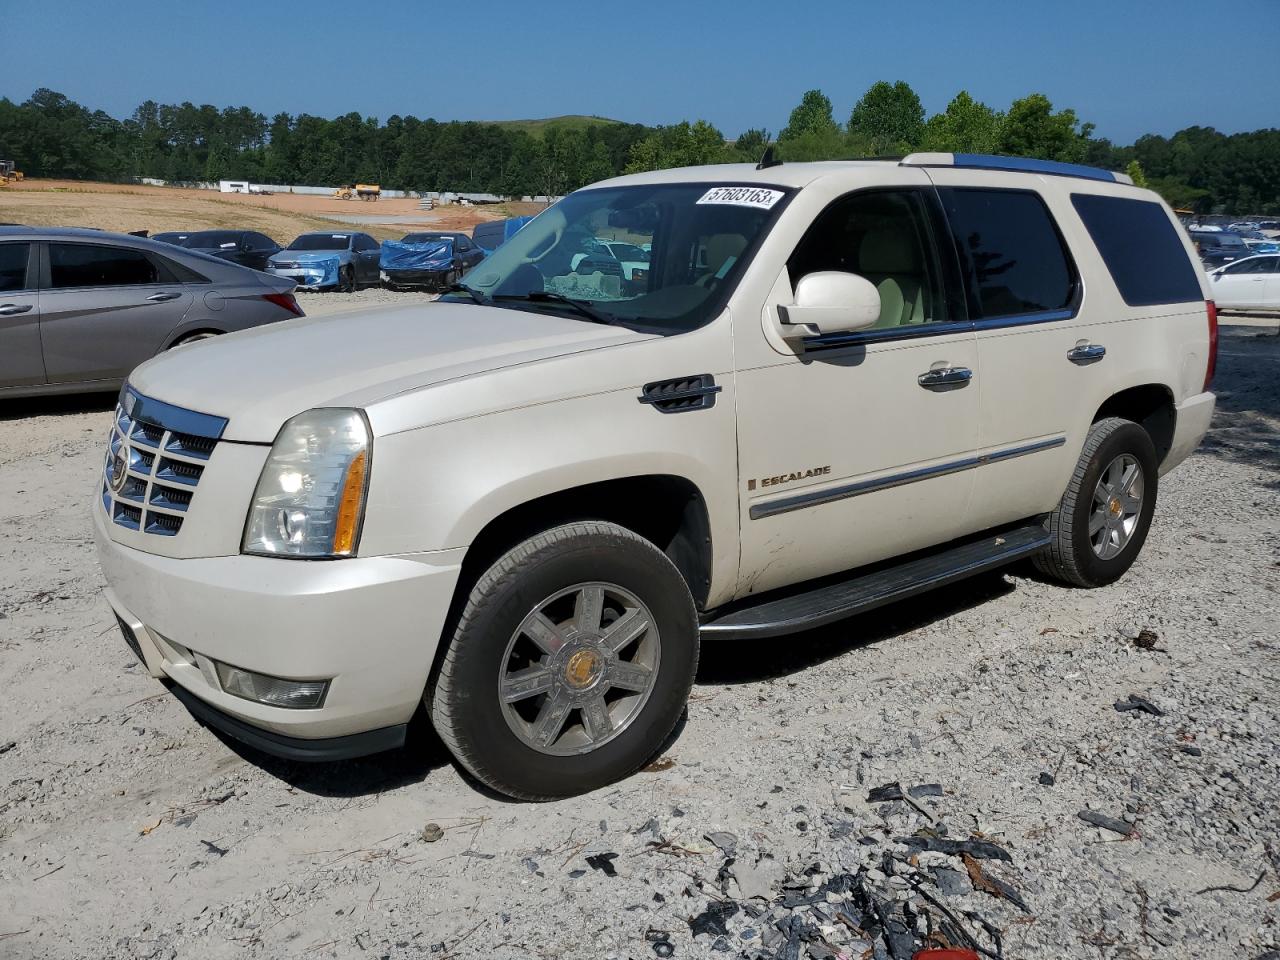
{"x": 79, "y": 309}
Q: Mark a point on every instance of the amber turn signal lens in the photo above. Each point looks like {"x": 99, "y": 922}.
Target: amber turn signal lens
{"x": 350, "y": 502}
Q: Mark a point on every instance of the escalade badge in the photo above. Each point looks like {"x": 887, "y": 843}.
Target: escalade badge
{"x": 118, "y": 475}
{"x": 790, "y": 477}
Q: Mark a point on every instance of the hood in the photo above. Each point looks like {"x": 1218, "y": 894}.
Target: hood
{"x": 260, "y": 378}
{"x": 308, "y": 256}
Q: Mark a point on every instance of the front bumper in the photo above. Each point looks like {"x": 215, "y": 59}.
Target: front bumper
{"x": 310, "y": 275}
{"x": 416, "y": 278}
{"x": 370, "y": 626}
{"x": 1193, "y": 416}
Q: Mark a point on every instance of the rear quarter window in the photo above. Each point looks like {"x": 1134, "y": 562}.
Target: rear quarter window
{"x": 1141, "y": 248}
{"x": 1015, "y": 258}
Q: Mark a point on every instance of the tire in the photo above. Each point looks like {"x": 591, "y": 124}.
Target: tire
{"x": 1074, "y": 556}
{"x": 346, "y": 280}
{"x": 195, "y": 338}
{"x": 463, "y": 697}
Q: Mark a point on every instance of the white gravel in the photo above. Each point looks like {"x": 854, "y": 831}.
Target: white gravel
{"x": 128, "y": 830}
{"x": 323, "y": 304}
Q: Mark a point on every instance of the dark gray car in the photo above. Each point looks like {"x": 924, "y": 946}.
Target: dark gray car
{"x": 79, "y": 309}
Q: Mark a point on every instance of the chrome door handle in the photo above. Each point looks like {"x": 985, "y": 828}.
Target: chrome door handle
{"x": 162, "y": 297}
{"x": 10, "y": 309}
{"x": 945, "y": 377}
{"x": 1086, "y": 353}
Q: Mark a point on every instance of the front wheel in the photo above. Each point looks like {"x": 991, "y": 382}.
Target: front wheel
{"x": 1102, "y": 520}
{"x": 346, "y": 280}
{"x": 570, "y": 664}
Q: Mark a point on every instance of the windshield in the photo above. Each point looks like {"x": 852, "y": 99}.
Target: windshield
{"x": 212, "y": 239}
{"x": 426, "y": 237}
{"x": 322, "y": 241}
{"x": 700, "y": 236}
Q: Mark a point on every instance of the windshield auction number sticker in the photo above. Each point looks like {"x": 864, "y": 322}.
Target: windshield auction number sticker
{"x": 760, "y": 197}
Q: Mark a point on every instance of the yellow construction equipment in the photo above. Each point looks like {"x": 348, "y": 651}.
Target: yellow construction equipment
{"x": 9, "y": 173}
{"x": 361, "y": 191}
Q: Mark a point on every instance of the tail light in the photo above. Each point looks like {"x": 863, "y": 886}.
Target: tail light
{"x": 1213, "y": 343}
{"x": 286, "y": 300}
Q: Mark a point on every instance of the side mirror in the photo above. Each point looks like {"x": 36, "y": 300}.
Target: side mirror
{"x": 830, "y": 302}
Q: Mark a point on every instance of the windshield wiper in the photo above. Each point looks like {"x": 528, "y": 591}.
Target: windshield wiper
{"x": 475, "y": 295}
{"x": 542, "y": 296}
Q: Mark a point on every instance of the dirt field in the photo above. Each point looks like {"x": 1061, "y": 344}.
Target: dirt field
{"x": 71, "y": 203}
{"x": 128, "y": 830}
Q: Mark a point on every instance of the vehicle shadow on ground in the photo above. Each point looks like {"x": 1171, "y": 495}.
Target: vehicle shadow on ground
{"x": 23, "y": 408}
{"x": 1246, "y": 422}
{"x": 422, "y": 753}
{"x": 753, "y": 661}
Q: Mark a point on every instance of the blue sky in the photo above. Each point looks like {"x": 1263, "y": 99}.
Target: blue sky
{"x": 1130, "y": 67}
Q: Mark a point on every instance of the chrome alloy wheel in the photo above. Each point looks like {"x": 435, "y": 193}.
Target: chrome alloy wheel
{"x": 1117, "y": 506}
{"x": 579, "y": 669}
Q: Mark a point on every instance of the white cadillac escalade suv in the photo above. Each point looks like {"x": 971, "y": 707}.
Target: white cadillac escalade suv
{"x": 521, "y": 509}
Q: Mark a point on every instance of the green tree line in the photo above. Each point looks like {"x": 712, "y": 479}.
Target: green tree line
{"x": 52, "y": 136}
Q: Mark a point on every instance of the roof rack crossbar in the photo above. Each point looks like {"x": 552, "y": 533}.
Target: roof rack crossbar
{"x": 981, "y": 161}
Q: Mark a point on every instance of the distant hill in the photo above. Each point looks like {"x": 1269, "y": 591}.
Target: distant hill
{"x": 571, "y": 121}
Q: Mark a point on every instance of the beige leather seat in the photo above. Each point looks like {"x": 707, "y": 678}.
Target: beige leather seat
{"x": 720, "y": 248}
{"x": 889, "y": 258}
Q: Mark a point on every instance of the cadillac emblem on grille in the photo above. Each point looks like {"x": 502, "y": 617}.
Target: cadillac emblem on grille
{"x": 117, "y": 469}
{"x": 155, "y": 459}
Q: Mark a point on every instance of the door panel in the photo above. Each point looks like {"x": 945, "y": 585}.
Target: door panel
{"x": 21, "y": 363}
{"x": 105, "y": 328}
{"x": 1237, "y": 289}
{"x": 1271, "y": 295}
{"x": 839, "y": 424}
{"x": 103, "y": 333}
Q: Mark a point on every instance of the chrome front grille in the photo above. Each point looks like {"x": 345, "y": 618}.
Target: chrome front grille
{"x": 155, "y": 458}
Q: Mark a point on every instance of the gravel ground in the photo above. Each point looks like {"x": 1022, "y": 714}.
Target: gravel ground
{"x": 322, "y": 304}
{"x": 128, "y": 830}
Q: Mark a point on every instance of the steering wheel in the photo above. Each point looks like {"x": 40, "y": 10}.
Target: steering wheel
{"x": 556, "y": 234}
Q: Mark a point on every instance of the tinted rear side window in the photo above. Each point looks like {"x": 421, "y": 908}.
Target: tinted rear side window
{"x": 1012, "y": 252}
{"x": 489, "y": 235}
{"x": 1141, "y": 248}
{"x": 85, "y": 265}
{"x": 13, "y": 266}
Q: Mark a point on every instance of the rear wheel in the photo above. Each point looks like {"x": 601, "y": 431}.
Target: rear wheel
{"x": 570, "y": 664}
{"x": 1102, "y": 520}
{"x": 195, "y": 338}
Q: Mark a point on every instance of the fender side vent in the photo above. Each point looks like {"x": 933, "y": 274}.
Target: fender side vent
{"x": 681, "y": 394}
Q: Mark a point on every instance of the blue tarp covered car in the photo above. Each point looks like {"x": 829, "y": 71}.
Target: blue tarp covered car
{"x": 431, "y": 263}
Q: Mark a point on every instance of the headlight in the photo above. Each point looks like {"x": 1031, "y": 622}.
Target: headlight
{"x": 310, "y": 497}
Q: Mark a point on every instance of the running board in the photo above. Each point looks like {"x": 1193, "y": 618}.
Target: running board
{"x": 835, "y": 601}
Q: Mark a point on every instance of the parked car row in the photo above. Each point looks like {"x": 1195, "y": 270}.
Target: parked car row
{"x": 342, "y": 260}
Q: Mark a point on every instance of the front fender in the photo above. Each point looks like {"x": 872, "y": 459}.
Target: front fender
{"x": 437, "y": 487}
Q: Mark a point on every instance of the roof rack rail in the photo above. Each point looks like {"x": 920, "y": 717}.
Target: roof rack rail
{"x": 981, "y": 161}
